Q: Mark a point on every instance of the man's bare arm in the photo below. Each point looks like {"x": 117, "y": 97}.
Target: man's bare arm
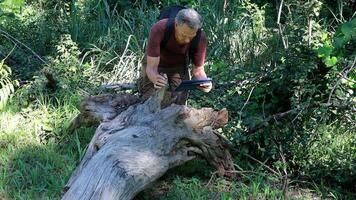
{"x": 158, "y": 80}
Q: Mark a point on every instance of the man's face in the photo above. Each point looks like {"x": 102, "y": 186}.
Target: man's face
{"x": 184, "y": 34}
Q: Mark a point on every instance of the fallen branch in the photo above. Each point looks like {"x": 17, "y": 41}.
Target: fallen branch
{"x": 120, "y": 86}
{"x": 135, "y": 146}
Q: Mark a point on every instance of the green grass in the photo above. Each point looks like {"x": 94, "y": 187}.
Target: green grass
{"x": 221, "y": 189}
{"x": 195, "y": 180}
{"x": 195, "y": 188}
{"x": 37, "y": 155}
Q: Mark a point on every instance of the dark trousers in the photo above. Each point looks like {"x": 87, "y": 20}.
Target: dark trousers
{"x": 175, "y": 76}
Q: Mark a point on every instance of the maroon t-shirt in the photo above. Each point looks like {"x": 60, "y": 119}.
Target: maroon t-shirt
{"x": 174, "y": 54}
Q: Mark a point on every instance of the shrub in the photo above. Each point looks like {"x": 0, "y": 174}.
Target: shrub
{"x": 7, "y": 86}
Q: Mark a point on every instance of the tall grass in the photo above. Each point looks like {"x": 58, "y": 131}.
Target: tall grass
{"x": 7, "y": 86}
{"x": 117, "y": 38}
{"x": 37, "y": 154}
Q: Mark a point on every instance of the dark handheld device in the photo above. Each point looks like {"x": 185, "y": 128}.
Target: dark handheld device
{"x": 191, "y": 84}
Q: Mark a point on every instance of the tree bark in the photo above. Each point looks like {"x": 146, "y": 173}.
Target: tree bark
{"x": 101, "y": 108}
{"x": 132, "y": 150}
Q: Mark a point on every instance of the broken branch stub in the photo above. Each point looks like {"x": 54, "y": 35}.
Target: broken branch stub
{"x": 100, "y": 108}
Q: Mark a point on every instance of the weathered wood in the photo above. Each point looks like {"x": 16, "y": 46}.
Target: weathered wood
{"x": 99, "y": 108}
{"x": 135, "y": 148}
{"x": 51, "y": 82}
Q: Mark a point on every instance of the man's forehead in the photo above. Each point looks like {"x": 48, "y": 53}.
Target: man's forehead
{"x": 185, "y": 29}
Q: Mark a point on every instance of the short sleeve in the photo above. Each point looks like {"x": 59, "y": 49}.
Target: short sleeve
{"x": 199, "y": 55}
{"x": 155, "y": 37}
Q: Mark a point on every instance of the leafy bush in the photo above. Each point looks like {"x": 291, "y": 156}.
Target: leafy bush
{"x": 289, "y": 87}
{"x": 6, "y": 84}
{"x": 281, "y": 84}
{"x": 66, "y": 65}
{"x": 327, "y": 151}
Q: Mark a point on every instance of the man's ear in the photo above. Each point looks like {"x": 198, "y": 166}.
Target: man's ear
{"x": 221, "y": 118}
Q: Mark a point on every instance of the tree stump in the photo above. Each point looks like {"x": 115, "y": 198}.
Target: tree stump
{"x": 136, "y": 147}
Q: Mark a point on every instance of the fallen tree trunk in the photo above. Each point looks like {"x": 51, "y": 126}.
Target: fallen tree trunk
{"x": 101, "y": 108}
{"x": 132, "y": 150}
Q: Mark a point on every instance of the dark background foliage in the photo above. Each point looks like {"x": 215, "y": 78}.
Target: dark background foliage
{"x": 286, "y": 74}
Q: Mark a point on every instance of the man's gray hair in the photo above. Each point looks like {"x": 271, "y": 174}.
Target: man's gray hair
{"x": 189, "y": 17}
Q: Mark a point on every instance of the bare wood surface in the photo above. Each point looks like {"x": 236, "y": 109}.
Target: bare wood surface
{"x": 100, "y": 108}
{"x": 131, "y": 150}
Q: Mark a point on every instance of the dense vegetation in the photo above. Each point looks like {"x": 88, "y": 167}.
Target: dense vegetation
{"x": 284, "y": 69}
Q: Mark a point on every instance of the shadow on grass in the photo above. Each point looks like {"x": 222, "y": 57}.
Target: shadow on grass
{"x": 39, "y": 171}
{"x": 196, "y": 169}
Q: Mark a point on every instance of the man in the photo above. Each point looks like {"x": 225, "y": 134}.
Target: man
{"x": 169, "y": 64}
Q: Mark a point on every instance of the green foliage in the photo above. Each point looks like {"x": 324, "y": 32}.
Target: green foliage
{"x": 10, "y": 5}
{"x": 255, "y": 188}
{"x": 66, "y": 64}
{"x": 7, "y": 86}
{"x": 331, "y": 50}
{"x": 289, "y": 88}
{"x": 37, "y": 155}
{"x": 283, "y": 76}
{"x": 329, "y": 151}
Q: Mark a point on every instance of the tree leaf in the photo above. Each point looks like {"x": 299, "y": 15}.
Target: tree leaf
{"x": 324, "y": 51}
{"x": 339, "y": 42}
{"x": 14, "y": 3}
{"x": 346, "y": 28}
{"x": 330, "y": 61}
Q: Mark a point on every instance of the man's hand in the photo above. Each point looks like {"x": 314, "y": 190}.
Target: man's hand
{"x": 205, "y": 87}
{"x": 160, "y": 81}
{"x": 199, "y": 73}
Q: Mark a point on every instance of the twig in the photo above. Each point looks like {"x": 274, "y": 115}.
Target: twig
{"x": 245, "y": 171}
{"x": 242, "y": 82}
{"x": 263, "y": 107}
{"x": 235, "y": 83}
{"x": 337, "y": 83}
{"x": 261, "y": 163}
{"x": 344, "y": 77}
{"x": 280, "y": 26}
{"x": 211, "y": 178}
{"x": 310, "y": 24}
{"x": 280, "y": 115}
{"x": 338, "y": 20}
{"x": 10, "y": 52}
{"x": 298, "y": 115}
{"x": 8, "y": 36}
{"x": 275, "y": 117}
{"x": 120, "y": 86}
{"x": 279, "y": 12}
{"x": 238, "y": 167}
{"x": 248, "y": 98}
{"x": 225, "y": 6}
{"x": 340, "y": 4}
{"x": 285, "y": 177}
{"x": 233, "y": 149}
